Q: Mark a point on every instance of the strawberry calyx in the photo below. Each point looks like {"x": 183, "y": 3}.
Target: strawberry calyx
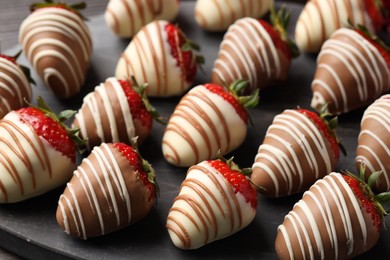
{"x": 280, "y": 20}
{"x": 142, "y": 166}
{"x": 363, "y": 191}
{"x": 238, "y": 178}
{"x": 327, "y": 125}
{"x": 140, "y": 90}
{"x": 374, "y": 40}
{"x": 24, "y": 69}
{"x": 60, "y": 119}
{"x": 235, "y": 97}
{"x": 74, "y": 8}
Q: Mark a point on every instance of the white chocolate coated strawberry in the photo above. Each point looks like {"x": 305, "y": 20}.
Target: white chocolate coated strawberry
{"x": 202, "y": 123}
{"x": 29, "y": 165}
{"x": 374, "y": 142}
{"x": 248, "y": 52}
{"x": 351, "y": 73}
{"x": 218, "y": 15}
{"x": 58, "y": 45}
{"x": 105, "y": 115}
{"x": 14, "y": 87}
{"x": 127, "y": 17}
{"x": 207, "y": 209}
{"x": 327, "y": 223}
{"x": 320, "y": 18}
{"x": 149, "y": 60}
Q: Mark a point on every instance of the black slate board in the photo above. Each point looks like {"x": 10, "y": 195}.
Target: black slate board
{"x": 29, "y": 228}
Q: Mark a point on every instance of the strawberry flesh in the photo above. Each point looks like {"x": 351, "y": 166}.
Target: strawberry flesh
{"x": 384, "y": 53}
{"x": 50, "y": 130}
{"x": 324, "y": 128}
{"x": 184, "y": 59}
{"x": 366, "y": 200}
{"x": 11, "y": 59}
{"x": 226, "y": 95}
{"x": 279, "y": 43}
{"x": 136, "y": 161}
{"x": 137, "y": 107}
{"x": 239, "y": 181}
{"x": 374, "y": 12}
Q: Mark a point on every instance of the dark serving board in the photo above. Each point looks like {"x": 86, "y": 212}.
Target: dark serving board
{"x": 29, "y": 228}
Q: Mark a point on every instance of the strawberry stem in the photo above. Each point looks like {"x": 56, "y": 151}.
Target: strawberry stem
{"x": 280, "y": 20}
{"x": 140, "y": 89}
{"x": 75, "y": 8}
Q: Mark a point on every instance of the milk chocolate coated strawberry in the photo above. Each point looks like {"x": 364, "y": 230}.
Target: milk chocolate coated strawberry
{"x": 353, "y": 69}
{"x": 112, "y": 188}
{"x": 58, "y": 44}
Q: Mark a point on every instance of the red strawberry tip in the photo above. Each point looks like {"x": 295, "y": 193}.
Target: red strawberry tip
{"x": 146, "y": 166}
{"x": 246, "y": 101}
{"x": 75, "y": 8}
{"x": 140, "y": 90}
{"x": 249, "y": 192}
{"x": 280, "y": 20}
{"x": 24, "y": 69}
{"x": 60, "y": 119}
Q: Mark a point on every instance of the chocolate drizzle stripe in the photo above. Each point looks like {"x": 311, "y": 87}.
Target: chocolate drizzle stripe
{"x": 67, "y": 204}
{"x": 149, "y": 47}
{"x": 178, "y": 228}
{"x": 89, "y": 188}
{"x": 169, "y": 156}
{"x": 78, "y": 212}
{"x": 181, "y": 131}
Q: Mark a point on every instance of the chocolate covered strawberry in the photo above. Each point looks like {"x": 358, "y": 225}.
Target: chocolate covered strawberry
{"x": 112, "y": 188}
{"x": 126, "y": 17}
{"x": 162, "y": 56}
{"x": 15, "y": 86}
{"x": 116, "y": 111}
{"x": 320, "y": 18}
{"x": 208, "y": 118}
{"x": 58, "y": 44}
{"x": 353, "y": 69}
{"x": 256, "y": 51}
{"x": 219, "y": 15}
{"x": 374, "y": 142}
{"x": 337, "y": 218}
{"x": 299, "y": 148}
{"x": 37, "y": 152}
{"x": 215, "y": 201}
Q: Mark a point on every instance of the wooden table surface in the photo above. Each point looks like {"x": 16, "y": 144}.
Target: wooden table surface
{"x": 12, "y": 13}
